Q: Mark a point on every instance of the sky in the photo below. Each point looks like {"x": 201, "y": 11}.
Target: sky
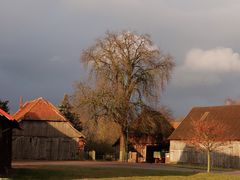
{"x": 41, "y": 42}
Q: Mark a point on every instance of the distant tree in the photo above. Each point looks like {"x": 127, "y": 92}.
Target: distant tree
{"x": 129, "y": 71}
{"x": 4, "y": 105}
{"x": 208, "y": 135}
{"x": 67, "y": 110}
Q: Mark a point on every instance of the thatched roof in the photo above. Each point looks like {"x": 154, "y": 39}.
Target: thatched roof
{"x": 228, "y": 114}
{"x": 151, "y": 122}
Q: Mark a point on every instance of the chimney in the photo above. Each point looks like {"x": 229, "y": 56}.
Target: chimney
{"x": 20, "y": 102}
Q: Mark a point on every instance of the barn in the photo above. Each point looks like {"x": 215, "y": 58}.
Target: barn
{"x": 7, "y": 123}
{"x": 46, "y": 134}
{"x": 147, "y": 134}
{"x": 226, "y": 156}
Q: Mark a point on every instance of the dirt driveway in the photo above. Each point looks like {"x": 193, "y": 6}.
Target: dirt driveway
{"x": 166, "y": 167}
{"x": 17, "y": 164}
{"x": 114, "y": 164}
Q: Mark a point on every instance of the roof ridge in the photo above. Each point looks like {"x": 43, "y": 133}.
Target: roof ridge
{"x": 32, "y": 104}
{"x": 24, "y": 105}
{"x": 37, "y": 101}
{"x": 215, "y": 106}
{"x": 54, "y": 108}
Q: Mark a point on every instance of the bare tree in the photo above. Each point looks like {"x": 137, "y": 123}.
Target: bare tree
{"x": 208, "y": 136}
{"x": 128, "y": 71}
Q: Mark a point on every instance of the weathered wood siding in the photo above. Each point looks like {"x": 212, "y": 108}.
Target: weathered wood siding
{"x": 42, "y": 148}
{"x": 46, "y": 129}
{"x": 226, "y": 156}
{"x": 45, "y": 140}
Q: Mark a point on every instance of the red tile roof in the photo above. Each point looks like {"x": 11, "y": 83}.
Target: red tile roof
{"x": 3, "y": 113}
{"x": 39, "y": 109}
{"x": 228, "y": 114}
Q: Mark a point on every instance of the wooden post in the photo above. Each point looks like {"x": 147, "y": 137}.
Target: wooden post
{"x": 208, "y": 161}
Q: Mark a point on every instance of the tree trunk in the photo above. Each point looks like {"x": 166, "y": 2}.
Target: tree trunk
{"x": 122, "y": 151}
{"x": 208, "y": 161}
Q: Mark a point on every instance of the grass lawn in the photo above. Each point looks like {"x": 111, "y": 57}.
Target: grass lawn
{"x": 201, "y": 167}
{"x": 79, "y": 172}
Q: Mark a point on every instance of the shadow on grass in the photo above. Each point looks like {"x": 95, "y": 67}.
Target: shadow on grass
{"x": 76, "y": 172}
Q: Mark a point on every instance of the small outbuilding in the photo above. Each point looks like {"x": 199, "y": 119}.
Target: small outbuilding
{"x": 226, "y": 156}
{"x": 46, "y": 135}
{"x": 7, "y": 123}
{"x": 147, "y": 137}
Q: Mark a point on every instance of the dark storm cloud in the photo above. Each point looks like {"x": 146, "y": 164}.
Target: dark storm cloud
{"x": 183, "y": 99}
{"x": 41, "y": 42}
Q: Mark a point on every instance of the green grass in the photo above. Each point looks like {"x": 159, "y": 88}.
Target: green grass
{"x": 200, "y": 167}
{"x": 79, "y": 172}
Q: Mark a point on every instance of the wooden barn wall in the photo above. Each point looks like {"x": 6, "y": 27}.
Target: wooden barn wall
{"x": 226, "y": 156}
{"x": 45, "y": 141}
{"x": 46, "y": 129}
{"x": 43, "y": 148}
